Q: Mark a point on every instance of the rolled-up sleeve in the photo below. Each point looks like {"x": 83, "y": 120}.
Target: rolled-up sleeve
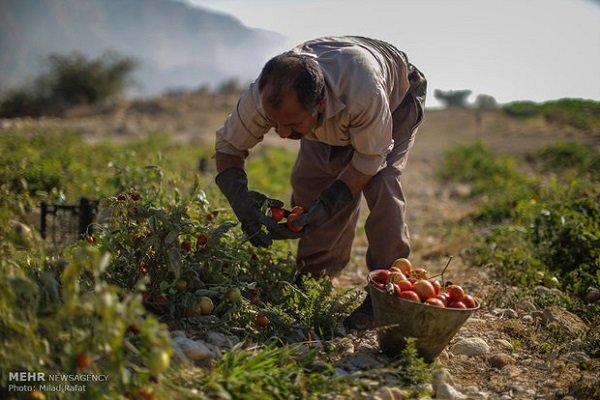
{"x": 371, "y": 134}
{"x": 244, "y": 127}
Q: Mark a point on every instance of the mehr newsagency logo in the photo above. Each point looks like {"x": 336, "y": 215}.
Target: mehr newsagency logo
{"x": 24, "y": 381}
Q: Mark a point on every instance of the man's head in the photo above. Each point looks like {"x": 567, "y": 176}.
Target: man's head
{"x": 292, "y": 91}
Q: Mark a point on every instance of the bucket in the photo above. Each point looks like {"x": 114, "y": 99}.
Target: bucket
{"x": 397, "y": 319}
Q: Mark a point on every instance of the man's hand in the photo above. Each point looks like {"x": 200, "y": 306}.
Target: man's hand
{"x": 248, "y": 206}
{"x": 329, "y": 203}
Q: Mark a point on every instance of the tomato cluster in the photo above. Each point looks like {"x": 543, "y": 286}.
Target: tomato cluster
{"x": 401, "y": 280}
{"x": 278, "y": 214}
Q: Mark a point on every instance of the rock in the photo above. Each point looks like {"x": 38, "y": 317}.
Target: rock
{"x": 555, "y": 316}
{"x": 526, "y": 306}
{"x": 473, "y": 393}
{"x": 361, "y": 361}
{"x": 577, "y": 357}
{"x": 542, "y": 291}
{"x": 389, "y": 393}
{"x": 441, "y": 376}
{"x": 471, "y": 347}
{"x": 500, "y": 360}
{"x": 446, "y": 392}
{"x": 505, "y": 344}
{"x": 592, "y": 296}
{"x": 220, "y": 340}
{"x": 509, "y": 313}
{"x": 528, "y": 319}
{"x": 195, "y": 350}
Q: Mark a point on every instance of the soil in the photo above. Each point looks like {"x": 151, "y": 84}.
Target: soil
{"x": 505, "y": 370}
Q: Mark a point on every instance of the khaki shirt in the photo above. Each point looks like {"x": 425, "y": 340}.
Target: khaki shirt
{"x": 365, "y": 80}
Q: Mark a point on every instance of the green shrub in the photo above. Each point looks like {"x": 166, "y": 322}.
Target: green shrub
{"x": 70, "y": 80}
{"x": 578, "y": 113}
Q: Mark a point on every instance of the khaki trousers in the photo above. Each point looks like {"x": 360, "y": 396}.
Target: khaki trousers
{"x": 327, "y": 250}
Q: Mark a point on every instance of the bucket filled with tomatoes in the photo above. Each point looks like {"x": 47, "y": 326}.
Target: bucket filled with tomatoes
{"x": 407, "y": 303}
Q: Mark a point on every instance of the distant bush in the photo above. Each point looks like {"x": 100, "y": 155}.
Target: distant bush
{"x": 453, "y": 98}
{"x": 578, "y": 113}
{"x": 569, "y": 156}
{"x": 71, "y": 80}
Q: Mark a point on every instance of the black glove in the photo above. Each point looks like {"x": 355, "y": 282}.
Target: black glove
{"x": 281, "y": 231}
{"x": 247, "y": 205}
{"x": 329, "y": 203}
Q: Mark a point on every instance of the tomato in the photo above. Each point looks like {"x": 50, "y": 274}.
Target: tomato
{"x": 205, "y": 305}
{"x": 209, "y": 217}
{"x": 158, "y": 362}
{"x": 253, "y": 300}
{"x": 419, "y": 273}
{"x": 235, "y": 295}
{"x": 424, "y": 289}
{"x": 37, "y": 395}
{"x": 434, "y": 301}
{"x": 277, "y": 213}
{"x": 83, "y": 361}
{"x": 253, "y": 291}
{"x": 262, "y": 321}
{"x": 291, "y": 218}
{"x": 405, "y": 285}
{"x": 403, "y": 264}
{"x": 436, "y": 285}
{"x": 410, "y": 295}
{"x": 186, "y": 246}
{"x": 181, "y": 285}
{"x": 90, "y": 239}
{"x": 456, "y": 292}
{"x": 469, "y": 301}
{"x": 297, "y": 210}
{"x": 380, "y": 276}
{"x": 202, "y": 240}
{"x": 443, "y": 297}
{"x": 146, "y": 394}
{"x": 136, "y": 196}
{"x": 396, "y": 276}
{"x": 457, "y": 304}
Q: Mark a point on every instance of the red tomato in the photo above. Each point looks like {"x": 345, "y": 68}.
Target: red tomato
{"x": 419, "y": 273}
{"x": 202, "y": 240}
{"x": 90, "y": 239}
{"x": 380, "y": 276}
{"x": 424, "y": 289}
{"x": 297, "y": 210}
{"x": 277, "y": 213}
{"x": 436, "y": 285}
{"x": 135, "y": 196}
{"x": 469, "y": 301}
{"x": 262, "y": 321}
{"x": 291, "y": 218}
{"x": 457, "y": 304}
{"x": 443, "y": 297}
{"x": 410, "y": 295}
{"x": 434, "y": 301}
{"x": 83, "y": 361}
{"x": 396, "y": 276}
{"x": 186, "y": 246}
{"x": 253, "y": 300}
{"x": 456, "y": 292}
{"x": 253, "y": 291}
{"x": 403, "y": 264}
{"x": 405, "y": 285}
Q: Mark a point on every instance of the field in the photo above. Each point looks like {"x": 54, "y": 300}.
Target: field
{"x": 163, "y": 295}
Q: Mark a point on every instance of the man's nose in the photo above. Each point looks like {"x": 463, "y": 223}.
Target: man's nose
{"x": 283, "y": 132}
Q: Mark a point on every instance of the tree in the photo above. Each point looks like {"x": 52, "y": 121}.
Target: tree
{"x": 452, "y": 98}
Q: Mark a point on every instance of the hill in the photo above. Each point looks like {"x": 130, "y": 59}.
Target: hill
{"x": 178, "y": 46}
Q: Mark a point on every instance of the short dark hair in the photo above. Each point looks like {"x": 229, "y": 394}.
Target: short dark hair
{"x": 293, "y": 71}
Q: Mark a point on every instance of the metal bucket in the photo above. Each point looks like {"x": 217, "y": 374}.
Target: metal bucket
{"x": 397, "y": 319}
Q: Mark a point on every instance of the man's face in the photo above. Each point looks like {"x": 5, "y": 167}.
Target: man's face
{"x": 290, "y": 119}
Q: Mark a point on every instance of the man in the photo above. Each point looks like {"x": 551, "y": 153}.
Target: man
{"x": 355, "y": 105}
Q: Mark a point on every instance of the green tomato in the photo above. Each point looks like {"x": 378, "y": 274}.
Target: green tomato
{"x": 158, "y": 362}
{"x": 235, "y": 296}
{"x": 205, "y": 305}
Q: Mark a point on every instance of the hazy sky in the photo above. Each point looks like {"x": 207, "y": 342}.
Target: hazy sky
{"x": 510, "y": 49}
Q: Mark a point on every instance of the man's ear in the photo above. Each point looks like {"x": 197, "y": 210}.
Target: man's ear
{"x": 321, "y": 105}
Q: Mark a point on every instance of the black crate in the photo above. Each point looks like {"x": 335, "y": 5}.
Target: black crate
{"x": 65, "y": 224}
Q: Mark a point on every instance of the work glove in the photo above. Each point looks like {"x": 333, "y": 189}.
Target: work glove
{"x": 281, "y": 231}
{"x": 329, "y": 203}
{"x": 248, "y": 206}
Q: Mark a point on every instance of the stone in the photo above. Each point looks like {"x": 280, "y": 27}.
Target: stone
{"x": 566, "y": 321}
{"x": 509, "y": 313}
{"x": 471, "y": 347}
{"x": 195, "y": 350}
{"x": 446, "y": 392}
{"x": 389, "y": 393}
{"x": 505, "y": 344}
{"x": 577, "y": 357}
{"x": 220, "y": 340}
{"x": 500, "y": 360}
{"x": 528, "y": 319}
{"x": 526, "y": 306}
{"x": 361, "y": 361}
{"x": 592, "y": 296}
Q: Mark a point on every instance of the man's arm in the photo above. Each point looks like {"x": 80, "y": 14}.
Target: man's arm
{"x": 354, "y": 179}
{"x": 225, "y": 161}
